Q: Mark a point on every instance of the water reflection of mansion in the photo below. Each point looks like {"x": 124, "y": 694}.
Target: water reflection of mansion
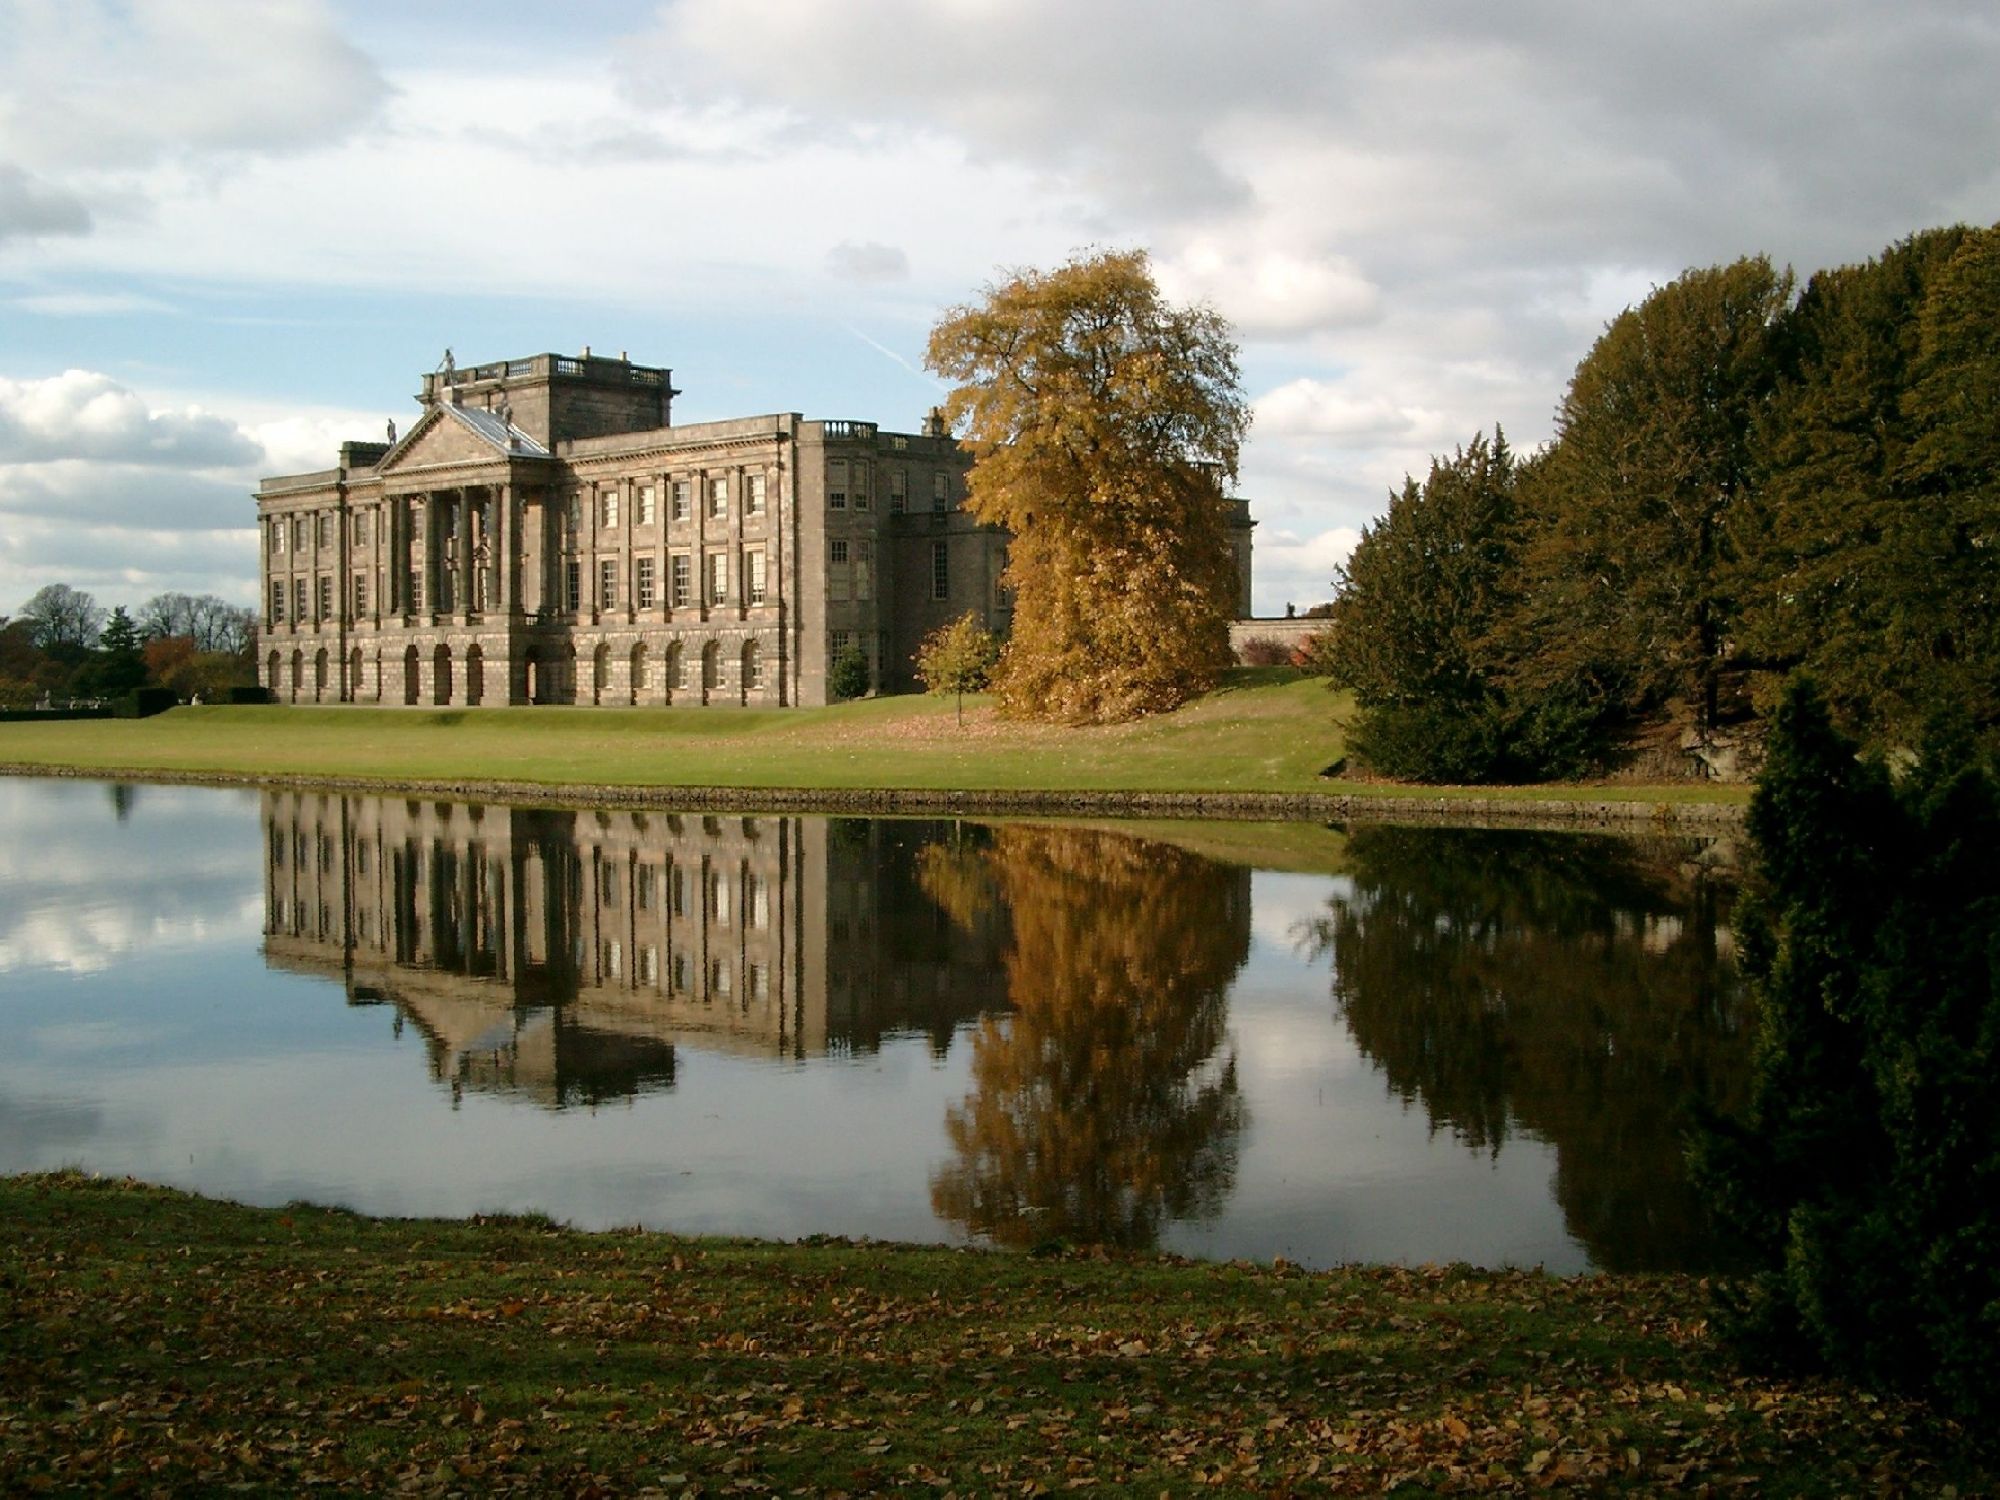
{"x": 564, "y": 956}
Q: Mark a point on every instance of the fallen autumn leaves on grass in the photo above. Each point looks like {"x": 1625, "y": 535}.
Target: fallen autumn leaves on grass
{"x": 152, "y": 1341}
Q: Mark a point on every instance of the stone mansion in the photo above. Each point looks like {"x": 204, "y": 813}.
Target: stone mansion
{"x": 544, "y": 533}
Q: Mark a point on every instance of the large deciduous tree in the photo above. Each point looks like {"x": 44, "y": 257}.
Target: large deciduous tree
{"x": 1103, "y": 423}
{"x": 65, "y": 618}
{"x": 212, "y": 624}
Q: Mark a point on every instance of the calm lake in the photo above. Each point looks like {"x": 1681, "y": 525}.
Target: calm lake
{"x": 1224, "y": 1040}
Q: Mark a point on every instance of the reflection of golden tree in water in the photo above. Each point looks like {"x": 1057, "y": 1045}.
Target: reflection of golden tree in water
{"x": 1574, "y": 988}
{"x": 1101, "y": 1106}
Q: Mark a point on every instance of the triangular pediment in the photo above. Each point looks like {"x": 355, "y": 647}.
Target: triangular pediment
{"x": 454, "y": 435}
{"x": 437, "y": 440}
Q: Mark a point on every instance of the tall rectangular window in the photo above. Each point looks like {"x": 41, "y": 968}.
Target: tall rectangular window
{"x": 858, "y": 487}
{"x": 682, "y": 582}
{"x": 361, "y": 528}
{"x": 940, "y": 493}
{"x": 899, "y": 491}
{"x": 607, "y": 583}
{"x": 753, "y": 576}
{"x": 326, "y": 598}
{"x": 718, "y": 499}
{"x": 718, "y": 577}
{"x": 277, "y": 538}
{"x": 864, "y": 570}
{"x": 277, "y": 601}
{"x": 645, "y": 506}
{"x": 838, "y": 576}
{"x": 413, "y": 592}
{"x": 360, "y": 593}
{"x": 299, "y": 600}
{"x": 573, "y": 586}
{"x": 607, "y": 509}
{"x": 644, "y": 587}
{"x": 753, "y": 495}
{"x": 301, "y": 534}
{"x": 326, "y": 528}
{"x": 836, "y": 485}
{"x": 681, "y": 499}
{"x": 940, "y": 571}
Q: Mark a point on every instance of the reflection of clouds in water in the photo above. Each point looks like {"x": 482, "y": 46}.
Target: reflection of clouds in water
{"x": 87, "y": 939}
{"x": 1283, "y": 906}
{"x": 80, "y": 889}
{"x": 85, "y": 1038}
{"x": 31, "y": 1130}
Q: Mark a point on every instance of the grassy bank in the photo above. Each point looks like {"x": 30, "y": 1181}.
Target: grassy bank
{"x": 152, "y": 1340}
{"x": 1265, "y": 730}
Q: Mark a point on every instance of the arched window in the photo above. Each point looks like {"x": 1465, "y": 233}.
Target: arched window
{"x": 677, "y": 670}
{"x": 441, "y": 675}
{"x": 600, "y": 673}
{"x": 354, "y": 675}
{"x": 298, "y": 673}
{"x": 410, "y": 688}
{"x": 319, "y": 674}
{"x": 274, "y": 674}
{"x": 639, "y": 666}
{"x": 475, "y": 676}
{"x": 711, "y": 669}
{"x": 753, "y": 669}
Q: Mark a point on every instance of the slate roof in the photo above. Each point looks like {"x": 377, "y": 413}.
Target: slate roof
{"x": 488, "y": 426}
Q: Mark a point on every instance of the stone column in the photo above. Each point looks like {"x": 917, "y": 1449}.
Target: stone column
{"x": 464, "y": 551}
{"x": 552, "y": 594}
{"x": 500, "y": 544}
{"x": 431, "y": 569}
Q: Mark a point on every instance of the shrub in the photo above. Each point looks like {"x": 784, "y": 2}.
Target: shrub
{"x": 1867, "y": 1173}
{"x": 245, "y": 694}
{"x": 848, "y": 676}
{"x": 1264, "y": 651}
{"x": 1437, "y": 742}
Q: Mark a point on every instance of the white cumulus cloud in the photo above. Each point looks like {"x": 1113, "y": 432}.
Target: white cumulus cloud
{"x": 82, "y": 414}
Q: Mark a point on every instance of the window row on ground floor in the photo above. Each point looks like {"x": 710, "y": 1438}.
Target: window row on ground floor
{"x": 679, "y": 672}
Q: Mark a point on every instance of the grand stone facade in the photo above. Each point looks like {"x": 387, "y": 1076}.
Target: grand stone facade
{"x": 544, "y": 533}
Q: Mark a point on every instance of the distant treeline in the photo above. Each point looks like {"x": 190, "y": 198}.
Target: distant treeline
{"x": 1746, "y": 480}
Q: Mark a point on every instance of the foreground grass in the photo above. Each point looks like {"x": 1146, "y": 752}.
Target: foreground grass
{"x": 153, "y": 1341}
{"x": 1265, "y": 730}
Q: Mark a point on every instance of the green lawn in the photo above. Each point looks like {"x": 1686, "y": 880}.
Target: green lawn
{"x": 157, "y": 1343}
{"x": 1264, "y": 730}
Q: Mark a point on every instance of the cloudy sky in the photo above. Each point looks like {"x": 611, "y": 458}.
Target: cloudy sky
{"x": 234, "y": 232}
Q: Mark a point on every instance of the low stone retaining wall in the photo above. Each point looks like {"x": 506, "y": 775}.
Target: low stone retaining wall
{"x": 1318, "y": 807}
{"x": 1287, "y": 630}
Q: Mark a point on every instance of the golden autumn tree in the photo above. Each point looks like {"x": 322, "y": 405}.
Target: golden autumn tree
{"x": 1103, "y": 424}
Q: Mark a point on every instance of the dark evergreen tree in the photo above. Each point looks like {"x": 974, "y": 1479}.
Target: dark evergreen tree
{"x": 1412, "y": 610}
{"x": 120, "y": 665}
{"x": 1630, "y": 524}
{"x": 1866, "y": 565}
{"x": 1867, "y": 1171}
